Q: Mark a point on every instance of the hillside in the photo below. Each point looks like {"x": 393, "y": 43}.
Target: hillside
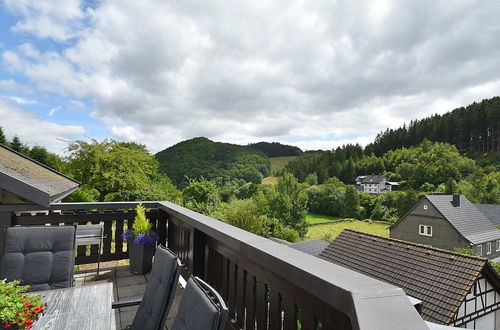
{"x": 276, "y": 149}
{"x": 201, "y": 157}
{"x": 279, "y": 163}
{"x": 474, "y": 130}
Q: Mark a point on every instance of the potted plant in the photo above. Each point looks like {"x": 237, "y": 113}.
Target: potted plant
{"x": 141, "y": 243}
{"x": 18, "y": 310}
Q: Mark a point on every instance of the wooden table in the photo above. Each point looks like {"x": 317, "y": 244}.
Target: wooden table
{"x": 85, "y": 307}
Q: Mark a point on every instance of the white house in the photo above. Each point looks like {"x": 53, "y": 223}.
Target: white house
{"x": 375, "y": 184}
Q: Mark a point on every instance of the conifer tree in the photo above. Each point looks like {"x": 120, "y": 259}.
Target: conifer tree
{"x": 17, "y": 145}
{"x": 3, "y": 139}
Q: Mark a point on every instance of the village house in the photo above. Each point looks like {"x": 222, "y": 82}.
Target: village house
{"x": 375, "y": 184}
{"x": 448, "y": 222}
{"x": 491, "y": 211}
{"x": 455, "y": 289}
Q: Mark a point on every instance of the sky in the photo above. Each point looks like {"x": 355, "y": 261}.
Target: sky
{"x": 315, "y": 74}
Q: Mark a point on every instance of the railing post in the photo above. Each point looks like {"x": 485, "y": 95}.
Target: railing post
{"x": 6, "y": 219}
{"x": 161, "y": 227}
{"x": 198, "y": 244}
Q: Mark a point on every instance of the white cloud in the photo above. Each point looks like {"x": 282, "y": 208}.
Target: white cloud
{"x": 159, "y": 72}
{"x": 331, "y": 144}
{"x": 20, "y": 100}
{"x": 34, "y": 131}
{"x": 53, "y": 111}
{"x": 77, "y": 105}
{"x": 9, "y": 84}
{"x": 57, "y": 19}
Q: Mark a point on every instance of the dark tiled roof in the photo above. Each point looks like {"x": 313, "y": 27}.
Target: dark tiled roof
{"x": 466, "y": 218}
{"x": 441, "y": 279}
{"x": 491, "y": 211}
{"x": 373, "y": 179}
{"x": 31, "y": 180}
{"x": 313, "y": 247}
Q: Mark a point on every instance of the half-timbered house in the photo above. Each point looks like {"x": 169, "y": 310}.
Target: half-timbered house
{"x": 455, "y": 289}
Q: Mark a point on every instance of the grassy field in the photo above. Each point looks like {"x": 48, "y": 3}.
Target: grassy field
{"x": 315, "y": 218}
{"x": 270, "y": 180}
{"x": 277, "y": 163}
{"x": 331, "y": 230}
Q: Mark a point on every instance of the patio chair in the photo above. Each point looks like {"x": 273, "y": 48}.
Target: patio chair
{"x": 89, "y": 235}
{"x": 201, "y": 308}
{"x": 41, "y": 256}
{"x": 159, "y": 293}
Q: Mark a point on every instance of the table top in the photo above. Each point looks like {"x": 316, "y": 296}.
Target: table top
{"x": 84, "y": 307}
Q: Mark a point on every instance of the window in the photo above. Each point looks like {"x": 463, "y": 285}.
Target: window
{"x": 488, "y": 248}
{"x": 425, "y": 207}
{"x": 425, "y": 230}
{"x": 479, "y": 249}
{"x": 497, "y": 246}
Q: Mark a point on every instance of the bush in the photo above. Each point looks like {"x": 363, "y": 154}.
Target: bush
{"x": 243, "y": 214}
{"x": 201, "y": 196}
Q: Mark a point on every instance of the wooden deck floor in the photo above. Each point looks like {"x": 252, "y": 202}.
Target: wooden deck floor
{"x": 125, "y": 286}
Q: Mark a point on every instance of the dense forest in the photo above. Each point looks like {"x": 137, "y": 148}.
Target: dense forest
{"x": 474, "y": 130}
{"x": 276, "y": 149}
{"x": 201, "y": 157}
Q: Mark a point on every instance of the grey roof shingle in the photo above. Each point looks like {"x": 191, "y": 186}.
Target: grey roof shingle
{"x": 440, "y": 278}
{"x": 373, "y": 179}
{"x": 466, "y": 218}
{"x": 31, "y": 180}
{"x": 313, "y": 247}
{"x": 491, "y": 211}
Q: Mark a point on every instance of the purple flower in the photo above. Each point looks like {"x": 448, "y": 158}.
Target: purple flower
{"x": 147, "y": 240}
{"x": 127, "y": 234}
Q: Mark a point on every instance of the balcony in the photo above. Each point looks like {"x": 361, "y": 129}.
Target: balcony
{"x": 265, "y": 285}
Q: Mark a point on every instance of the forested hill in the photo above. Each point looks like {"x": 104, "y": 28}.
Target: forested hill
{"x": 473, "y": 129}
{"x": 201, "y": 157}
{"x": 276, "y": 149}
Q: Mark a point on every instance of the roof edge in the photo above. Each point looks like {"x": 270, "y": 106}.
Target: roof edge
{"x": 43, "y": 165}
{"x": 420, "y": 246}
{"x": 409, "y": 211}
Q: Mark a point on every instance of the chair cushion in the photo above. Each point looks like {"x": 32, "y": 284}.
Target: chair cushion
{"x": 159, "y": 292}
{"x": 196, "y": 310}
{"x": 42, "y": 257}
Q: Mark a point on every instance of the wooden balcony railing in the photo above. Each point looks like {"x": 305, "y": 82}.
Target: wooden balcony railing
{"x": 266, "y": 285}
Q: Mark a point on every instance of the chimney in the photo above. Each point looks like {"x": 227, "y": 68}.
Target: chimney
{"x": 456, "y": 200}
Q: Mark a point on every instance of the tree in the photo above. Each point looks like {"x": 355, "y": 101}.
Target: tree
{"x": 111, "y": 166}
{"x": 40, "y": 154}
{"x": 351, "y": 202}
{"x": 450, "y": 187}
{"x": 243, "y": 213}
{"x": 288, "y": 203}
{"x": 3, "y": 138}
{"x": 312, "y": 179}
{"x": 18, "y": 146}
{"x": 201, "y": 196}
{"x": 348, "y": 173}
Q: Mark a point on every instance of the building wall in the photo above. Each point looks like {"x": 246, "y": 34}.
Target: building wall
{"x": 494, "y": 253}
{"x": 480, "y": 310}
{"x": 444, "y": 235}
{"x": 374, "y": 188}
